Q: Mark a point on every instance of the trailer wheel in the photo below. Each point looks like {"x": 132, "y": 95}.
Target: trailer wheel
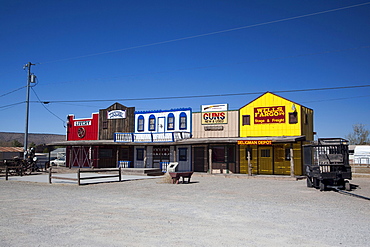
{"x": 322, "y": 186}
{"x": 309, "y": 183}
{"x": 347, "y": 186}
{"x": 316, "y": 183}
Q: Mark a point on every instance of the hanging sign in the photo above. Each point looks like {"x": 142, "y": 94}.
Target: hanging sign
{"x": 269, "y": 115}
{"x": 116, "y": 114}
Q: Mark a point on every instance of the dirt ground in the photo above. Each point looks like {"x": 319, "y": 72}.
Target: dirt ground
{"x": 211, "y": 210}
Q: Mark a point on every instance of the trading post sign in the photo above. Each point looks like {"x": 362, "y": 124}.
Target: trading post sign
{"x": 269, "y": 115}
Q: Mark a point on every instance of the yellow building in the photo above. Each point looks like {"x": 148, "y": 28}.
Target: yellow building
{"x": 272, "y": 131}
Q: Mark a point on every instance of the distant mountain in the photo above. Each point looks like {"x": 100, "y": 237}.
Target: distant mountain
{"x": 6, "y": 138}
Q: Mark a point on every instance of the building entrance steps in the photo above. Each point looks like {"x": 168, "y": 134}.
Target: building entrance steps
{"x": 142, "y": 171}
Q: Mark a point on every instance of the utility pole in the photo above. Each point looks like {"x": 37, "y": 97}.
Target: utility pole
{"x": 30, "y": 79}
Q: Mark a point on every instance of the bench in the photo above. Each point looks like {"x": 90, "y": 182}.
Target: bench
{"x": 177, "y": 175}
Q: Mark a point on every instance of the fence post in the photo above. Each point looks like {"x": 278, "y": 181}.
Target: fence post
{"x": 78, "y": 176}
{"x": 50, "y": 175}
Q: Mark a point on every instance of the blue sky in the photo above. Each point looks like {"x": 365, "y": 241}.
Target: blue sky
{"x": 100, "y": 51}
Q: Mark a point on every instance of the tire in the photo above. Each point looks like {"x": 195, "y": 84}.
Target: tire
{"x": 322, "y": 186}
{"x": 309, "y": 183}
{"x": 347, "y": 186}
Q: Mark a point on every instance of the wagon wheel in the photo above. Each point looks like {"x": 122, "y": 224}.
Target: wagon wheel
{"x": 322, "y": 186}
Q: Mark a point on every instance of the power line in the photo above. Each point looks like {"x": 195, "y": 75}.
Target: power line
{"x": 224, "y": 64}
{"x": 344, "y": 98}
{"x": 211, "y": 33}
{"x": 43, "y": 104}
{"x": 204, "y": 96}
{"x": 15, "y": 90}
{"x": 14, "y": 104}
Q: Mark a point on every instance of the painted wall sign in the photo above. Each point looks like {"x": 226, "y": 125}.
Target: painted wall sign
{"x": 82, "y": 123}
{"x": 269, "y": 115}
{"x": 116, "y": 114}
{"x": 255, "y": 142}
{"x": 216, "y": 107}
{"x": 214, "y": 117}
{"x": 213, "y": 128}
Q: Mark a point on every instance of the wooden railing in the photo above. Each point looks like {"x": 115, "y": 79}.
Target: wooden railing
{"x": 79, "y": 177}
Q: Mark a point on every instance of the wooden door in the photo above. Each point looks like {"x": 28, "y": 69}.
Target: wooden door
{"x": 265, "y": 160}
{"x": 199, "y": 160}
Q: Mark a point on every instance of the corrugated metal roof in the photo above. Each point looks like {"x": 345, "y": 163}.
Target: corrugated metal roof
{"x": 11, "y": 149}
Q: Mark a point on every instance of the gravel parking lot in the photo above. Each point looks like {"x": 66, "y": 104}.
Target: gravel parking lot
{"x": 210, "y": 211}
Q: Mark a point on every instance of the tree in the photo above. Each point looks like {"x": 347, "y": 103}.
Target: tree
{"x": 16, "y": 143}
{"x": 359, "y": 136}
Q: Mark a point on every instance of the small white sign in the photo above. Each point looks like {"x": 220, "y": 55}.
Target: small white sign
{"x": 216, "y": 107}
{"x": 116, "y": 114}
{"x": 83, "y": 123}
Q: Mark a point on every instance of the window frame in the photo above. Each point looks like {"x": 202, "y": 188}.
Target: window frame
{"x": 183, "y": 121}
{"x": 140, "y": 154}
{"x": 293, "y": 117}
{"x": 183, "y": 154}
{"x": 151, "y": 123}
{"x": 246, "y": 120}
{"x": 170, "y": 121}
{"x": 140, "y": 123}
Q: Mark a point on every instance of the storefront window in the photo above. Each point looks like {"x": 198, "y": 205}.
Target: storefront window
{"x": 287, "y": 154}
{"x": 105, "y": 153}
{"x": 140, "y": 154}
{"x": 218, "y": 154}
{"x": 183, "y": 154}
{"x": 265, "y": 153}
{"x": 231, "y": 154}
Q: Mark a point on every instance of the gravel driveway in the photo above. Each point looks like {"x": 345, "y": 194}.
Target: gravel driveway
{"x": 210, "y": 211}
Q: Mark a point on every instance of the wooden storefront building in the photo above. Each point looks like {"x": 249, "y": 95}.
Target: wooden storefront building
{"x": 263, "y": 137}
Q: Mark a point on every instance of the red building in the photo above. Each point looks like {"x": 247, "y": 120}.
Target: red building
{"x": 86, "y": 129}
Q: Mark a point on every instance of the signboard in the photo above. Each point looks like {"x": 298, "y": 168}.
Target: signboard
{"x": 269, "y": 115}
{"x": 82, "y": 123}
{"x": 213, "y": 128}
{"x": 255, "y": 142}
{"x": 116, "y": 114}
{"x": 214, "y": 117}
{"x": 216, "y": 107}
{"x": 214, "y": 114}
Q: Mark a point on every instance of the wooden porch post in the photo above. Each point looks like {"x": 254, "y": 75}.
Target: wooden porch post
{"x": 249, "y": 163}
{"x": 210, "y": 160}
{"x": 291, "y": 161}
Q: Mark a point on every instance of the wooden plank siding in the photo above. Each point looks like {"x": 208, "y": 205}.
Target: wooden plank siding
{"x": 107, "y": 127}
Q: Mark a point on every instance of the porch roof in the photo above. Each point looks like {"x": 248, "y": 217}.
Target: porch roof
{"x": 190, "y": 141}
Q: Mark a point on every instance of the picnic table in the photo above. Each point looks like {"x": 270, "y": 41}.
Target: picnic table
{"x": 177, "y": 175}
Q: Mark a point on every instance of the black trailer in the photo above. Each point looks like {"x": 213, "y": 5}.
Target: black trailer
{"x": 327, "y": 164}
